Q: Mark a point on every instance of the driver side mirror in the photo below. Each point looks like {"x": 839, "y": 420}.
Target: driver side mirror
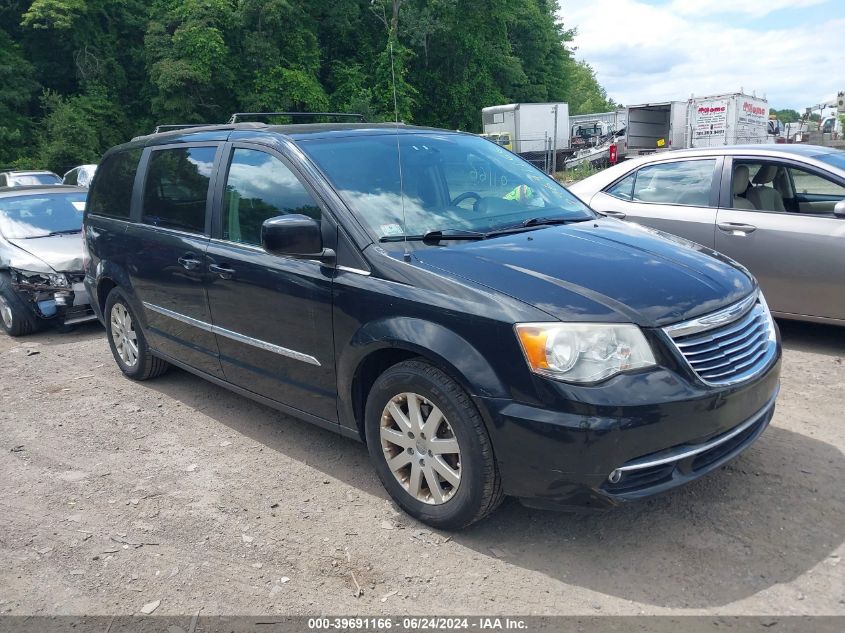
{"x": 295, "y": 236}
{"x": 839, "y": 209}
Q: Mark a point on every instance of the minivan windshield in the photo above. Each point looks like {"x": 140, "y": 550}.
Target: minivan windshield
{"x": 41, "y": 215}
{"x": 450, "y": 183}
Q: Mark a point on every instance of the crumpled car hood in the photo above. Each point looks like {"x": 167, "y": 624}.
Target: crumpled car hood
{"x": 57, "y": 253}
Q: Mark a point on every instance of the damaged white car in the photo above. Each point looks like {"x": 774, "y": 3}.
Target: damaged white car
{"x": 41, "y": 251}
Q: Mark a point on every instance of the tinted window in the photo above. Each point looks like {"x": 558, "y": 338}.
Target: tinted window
{"x": 70, "y": 177}
{"x": 624, "y": 189}
{"x": 111, "y": 194}
{"x": 259, "y": 186}
{"x": 41, "y": 215}
{"x": 448, "y": 181}
{"x": 176, "y": 189}
{"x": 683, "y": 182}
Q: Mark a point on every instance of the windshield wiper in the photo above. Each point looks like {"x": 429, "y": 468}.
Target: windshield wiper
{"x": 53, "y": 233}
{"x": 436, "y": 236}
{"x": 534, "y": 223}
{"x": 554, "y": 220}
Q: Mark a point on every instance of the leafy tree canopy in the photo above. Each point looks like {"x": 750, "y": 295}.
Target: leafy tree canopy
{"x": 77, "y": 76}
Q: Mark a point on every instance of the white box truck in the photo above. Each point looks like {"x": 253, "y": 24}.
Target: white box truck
{"x": 656, "y": 126}
{"x": 531, "y": 126}
{"x": 728, "y": 119}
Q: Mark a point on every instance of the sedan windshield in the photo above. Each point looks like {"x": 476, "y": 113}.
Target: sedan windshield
{"x": 41, "y": 215}
{"x": 837, "y": 159}
{"x": 450, "y": 183}
{"x": 35, "y": 179}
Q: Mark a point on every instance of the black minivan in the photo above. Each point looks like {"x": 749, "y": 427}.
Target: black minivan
{"x": 435, "y": 296}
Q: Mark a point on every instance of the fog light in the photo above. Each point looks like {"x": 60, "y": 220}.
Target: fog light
{"x": 47, "y": 308}
{"x": 615, "y": 477}
{"x": 63, "y": 298}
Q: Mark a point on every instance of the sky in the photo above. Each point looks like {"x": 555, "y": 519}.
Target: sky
{"x": 790, "y": 51}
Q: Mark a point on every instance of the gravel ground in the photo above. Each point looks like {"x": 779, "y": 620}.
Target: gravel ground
{"x": 118, "y": 495}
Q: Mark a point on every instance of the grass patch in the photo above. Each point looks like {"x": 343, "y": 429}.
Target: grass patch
{"x": 585, "y": 170}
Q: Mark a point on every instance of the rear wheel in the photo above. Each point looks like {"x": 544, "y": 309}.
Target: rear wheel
{"x": 127, "y": 341}
{"x": 430, "y": 446}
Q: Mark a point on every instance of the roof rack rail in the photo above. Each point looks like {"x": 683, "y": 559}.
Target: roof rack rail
{"x": 179, "y": 126}
{"x": 239, "y": 116}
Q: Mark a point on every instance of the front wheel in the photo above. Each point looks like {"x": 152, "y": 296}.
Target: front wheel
{"x": 13, "y": 315}
{"x": 430, "y": 446}
{"x": 127, "y": 341}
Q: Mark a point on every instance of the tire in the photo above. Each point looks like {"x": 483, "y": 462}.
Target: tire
{"x": 459, "y": 458}
{"x": 14, "y": 316}
{"x": 127, "y": 341}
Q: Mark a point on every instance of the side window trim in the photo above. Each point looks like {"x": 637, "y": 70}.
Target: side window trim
{"x": 137, "y": 211}
{"x": 222, "y": 172}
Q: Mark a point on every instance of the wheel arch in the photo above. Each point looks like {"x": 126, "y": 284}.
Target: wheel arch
{"x": 110, "y": 276}
{"x": 384, "y": 343}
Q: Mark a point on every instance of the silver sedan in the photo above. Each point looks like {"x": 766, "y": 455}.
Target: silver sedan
{"x": 777, "y": 209}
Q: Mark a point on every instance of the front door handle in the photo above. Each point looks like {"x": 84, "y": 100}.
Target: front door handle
{"x": 189, "y": 261}
{"x": 224, "y": 271}
{"x": 736, "y": 228}
{"x": 616, "y": 214}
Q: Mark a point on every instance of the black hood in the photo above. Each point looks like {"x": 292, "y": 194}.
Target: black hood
{"x": 602, "y": 270}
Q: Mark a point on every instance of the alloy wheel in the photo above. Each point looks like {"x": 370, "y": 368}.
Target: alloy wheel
{"x": 123, "y": 334}
{"x": 421, "y": 448}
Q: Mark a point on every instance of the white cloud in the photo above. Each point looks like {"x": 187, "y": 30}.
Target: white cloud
{"x": 757, "y": 8}
{"x": 645, "y": 53}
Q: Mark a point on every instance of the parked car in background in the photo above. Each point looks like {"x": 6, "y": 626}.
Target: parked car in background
{"x": 777, "y": 209}
{"x": 430, "y": 293}
{"x": 41, "y": 268}
{"x": 17, "y": 178}
{"x": 80, "y": 176}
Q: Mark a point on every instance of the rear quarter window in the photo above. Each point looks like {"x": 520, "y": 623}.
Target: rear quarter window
{"x": 111, "y": 191}
{"x": 176, "y": 188}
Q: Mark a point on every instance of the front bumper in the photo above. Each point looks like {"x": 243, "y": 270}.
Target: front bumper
{"x": 663, "y": 432}
{"x": 69, "y": 305}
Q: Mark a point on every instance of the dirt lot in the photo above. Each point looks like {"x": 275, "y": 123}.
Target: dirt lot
{"x": 116, "y": 495}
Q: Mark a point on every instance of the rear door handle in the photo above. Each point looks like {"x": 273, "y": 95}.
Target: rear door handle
{"x": 736, "y": 228}
{"x": 616, "y": 214}
{"x": 189, "y": 261}
{"x": 224, "y": 271}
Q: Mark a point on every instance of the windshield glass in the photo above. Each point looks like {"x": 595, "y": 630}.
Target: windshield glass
{"x": 40, "y": 215}
{"x": 837, "y": 159}
{"x": 451, "y": 182}
{"x": 34, "y": 179}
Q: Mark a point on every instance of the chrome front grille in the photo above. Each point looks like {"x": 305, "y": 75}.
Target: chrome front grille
{"x": 730, "y": 345}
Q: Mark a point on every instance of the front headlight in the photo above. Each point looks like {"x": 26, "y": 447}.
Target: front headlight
{"x": 583, "y": 352}
{"x": 54, "y": 280}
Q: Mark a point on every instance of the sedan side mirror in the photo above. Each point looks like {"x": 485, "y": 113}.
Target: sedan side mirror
{"x": 296, "y": 236}
{"x": 839, "y": 209}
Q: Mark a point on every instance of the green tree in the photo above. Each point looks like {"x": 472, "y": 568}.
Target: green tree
{"x": 786, "y": 116}
{"x": 109, "y": 69}
{"x": 189, "y": 60}
{"x": 78, "y": 129}
{"x": 17, "y": 88}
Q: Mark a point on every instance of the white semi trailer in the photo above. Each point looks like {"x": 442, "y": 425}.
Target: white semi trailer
{"x": 532, "y": 127}
{"x": 713, "y": 120}
{"x": 728, "y": 119}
